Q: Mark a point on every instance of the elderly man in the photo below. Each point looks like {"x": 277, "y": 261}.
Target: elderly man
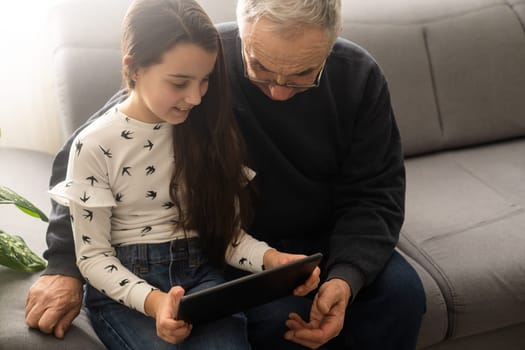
{"x": 316, "y": 115}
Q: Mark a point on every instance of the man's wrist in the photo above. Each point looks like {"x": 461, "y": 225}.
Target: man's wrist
{"x": 353, "y": 277}
{"x": 63, "y": 267}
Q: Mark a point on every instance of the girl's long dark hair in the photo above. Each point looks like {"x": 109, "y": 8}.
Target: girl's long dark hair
{"x": 208, "y": 184}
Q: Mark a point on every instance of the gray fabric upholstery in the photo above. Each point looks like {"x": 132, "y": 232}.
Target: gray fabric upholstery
{"x": 466, "y": 230}
{"x": 28, "y": 174}
{"x": 455, "y": 68}
{"x": 456, "y": 71}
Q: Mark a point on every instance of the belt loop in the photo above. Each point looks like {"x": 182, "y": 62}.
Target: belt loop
{"x": 142, "y": 258}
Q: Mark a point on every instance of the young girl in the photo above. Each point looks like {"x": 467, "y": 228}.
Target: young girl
{"x": 156, "y": 191}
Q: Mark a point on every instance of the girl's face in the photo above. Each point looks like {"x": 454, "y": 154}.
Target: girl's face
{"x": 167, "y": 91}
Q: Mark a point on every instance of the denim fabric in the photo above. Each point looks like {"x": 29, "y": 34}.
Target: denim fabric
{"x": 386, "y": 315}
{"x": 164, "y": 265}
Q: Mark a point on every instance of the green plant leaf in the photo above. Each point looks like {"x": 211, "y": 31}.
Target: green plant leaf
{"x": 15, "y": 254}
{"x": 8, "y": 196}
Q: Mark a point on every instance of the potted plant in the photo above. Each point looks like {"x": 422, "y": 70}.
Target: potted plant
{"x": 14, "y": 252}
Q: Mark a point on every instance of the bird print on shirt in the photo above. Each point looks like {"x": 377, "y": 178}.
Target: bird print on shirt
{"x": 107, "y": 152}
{"x": 150, "y": 170}
{"x": 149, "y": 145}
{"x": 168, "y": 205}
{"x": 126, "y": 134}
{"x": 111, "y": 268}
{"x": 151, "y": 194}
{"x": 85, "y": 197}
{"x": 78, "y": 147}
{"x": 88, "y": 214}
{"x": 92, "y": 180}
{"x": 124, "y": 282}
{"x": 145, "y": 230}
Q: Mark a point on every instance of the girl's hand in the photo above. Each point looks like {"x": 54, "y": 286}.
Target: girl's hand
{"x": 274, "y": 258}
{"x": 164, "y": 307}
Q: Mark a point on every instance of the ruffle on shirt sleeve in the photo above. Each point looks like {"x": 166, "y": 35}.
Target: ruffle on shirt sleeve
{"x": 83, "y": 194}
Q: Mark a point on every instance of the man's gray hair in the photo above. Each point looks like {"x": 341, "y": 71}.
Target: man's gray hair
{"x": 289, "y": 15}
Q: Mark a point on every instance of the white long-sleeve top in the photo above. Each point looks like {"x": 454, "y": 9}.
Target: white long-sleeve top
{"x": 117, "y": 189}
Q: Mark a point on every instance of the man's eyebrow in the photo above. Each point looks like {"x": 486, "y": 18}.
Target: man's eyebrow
{"x": 259, "y": 65}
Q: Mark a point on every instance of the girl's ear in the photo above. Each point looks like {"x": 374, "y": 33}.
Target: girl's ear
{"x": 127, "y": 60}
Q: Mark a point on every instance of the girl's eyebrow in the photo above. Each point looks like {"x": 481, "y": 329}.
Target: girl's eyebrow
{"x": 187, "y": 76}
{"x": 183, "y": 76}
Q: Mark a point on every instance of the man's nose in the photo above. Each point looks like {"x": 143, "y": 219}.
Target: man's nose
{"x": 280, "y": 93}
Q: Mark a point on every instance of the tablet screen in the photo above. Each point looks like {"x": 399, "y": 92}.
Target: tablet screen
{"x": 246, "y": 292}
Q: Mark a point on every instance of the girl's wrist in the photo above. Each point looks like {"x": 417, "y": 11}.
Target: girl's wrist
{"x": 152, "y": 302}
{"x": 269, "y": 258}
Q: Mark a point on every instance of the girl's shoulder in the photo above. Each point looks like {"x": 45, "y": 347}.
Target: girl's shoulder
{"x": 104, "y": 130}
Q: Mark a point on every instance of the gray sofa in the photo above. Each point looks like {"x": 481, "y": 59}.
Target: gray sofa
{"x": 456, "y": 71}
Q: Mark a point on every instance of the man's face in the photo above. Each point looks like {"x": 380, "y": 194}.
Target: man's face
{"x": 282, "y": 66}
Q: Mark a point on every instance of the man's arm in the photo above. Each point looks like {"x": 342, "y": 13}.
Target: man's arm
{"x": 55, "y": 298}
{"x": 369, "y": 210}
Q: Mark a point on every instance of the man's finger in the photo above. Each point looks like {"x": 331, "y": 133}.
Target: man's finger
{"x": 63, "y": 325}
{"x": 33, "y": 314}
{"x": 296, "y": 322}
{"x": 48, "y": 320}
{"x": 311, "y": 338}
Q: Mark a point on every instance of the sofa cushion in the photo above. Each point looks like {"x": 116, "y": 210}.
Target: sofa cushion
{"x": 455, "y": 68}
{"x": 28, "y": 175}
{"x": 466, "y": 230}
{"x": 478, "y": 62}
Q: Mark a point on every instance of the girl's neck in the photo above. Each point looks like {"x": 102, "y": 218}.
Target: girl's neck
{"x": 135, "y": 108}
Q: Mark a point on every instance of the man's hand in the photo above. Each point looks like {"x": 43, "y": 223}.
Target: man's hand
{"x": 326, "y": 316}
{"x": 52, "y": 304}
{"x": 274, "y": 258}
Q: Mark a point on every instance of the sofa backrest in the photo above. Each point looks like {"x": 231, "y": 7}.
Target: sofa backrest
{"x": 456, "y": 69}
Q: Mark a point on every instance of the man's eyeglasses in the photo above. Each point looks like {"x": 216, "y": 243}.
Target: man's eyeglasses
{"x": 287, "y": 84}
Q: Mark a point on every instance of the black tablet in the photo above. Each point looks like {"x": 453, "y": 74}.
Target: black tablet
{"x": 248, "y": 291}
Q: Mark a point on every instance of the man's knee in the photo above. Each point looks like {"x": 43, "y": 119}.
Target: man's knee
{"x": 397, "y": 291}
{"x": 403, "y": 287}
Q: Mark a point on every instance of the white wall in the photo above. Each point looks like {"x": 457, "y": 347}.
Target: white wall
{"x": 28, "y": 117}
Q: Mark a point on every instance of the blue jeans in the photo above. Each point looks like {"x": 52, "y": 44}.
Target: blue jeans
{"x": 386, "y": 315}
{"x": 164, "y": 265}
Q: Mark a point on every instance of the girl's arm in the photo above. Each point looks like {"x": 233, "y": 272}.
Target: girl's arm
{"x": 96, "y": 258}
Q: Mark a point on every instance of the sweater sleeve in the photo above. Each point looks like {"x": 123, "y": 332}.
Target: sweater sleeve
{"x": 247, "y": 253}
{"x": 60, "y": 253}
{"x": 369, "y": 191}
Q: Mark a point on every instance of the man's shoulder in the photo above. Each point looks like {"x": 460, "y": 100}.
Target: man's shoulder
{"x": 349, "y": 49}
{"x": 228, "y": 30}
{"x": 351, "y": 58}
